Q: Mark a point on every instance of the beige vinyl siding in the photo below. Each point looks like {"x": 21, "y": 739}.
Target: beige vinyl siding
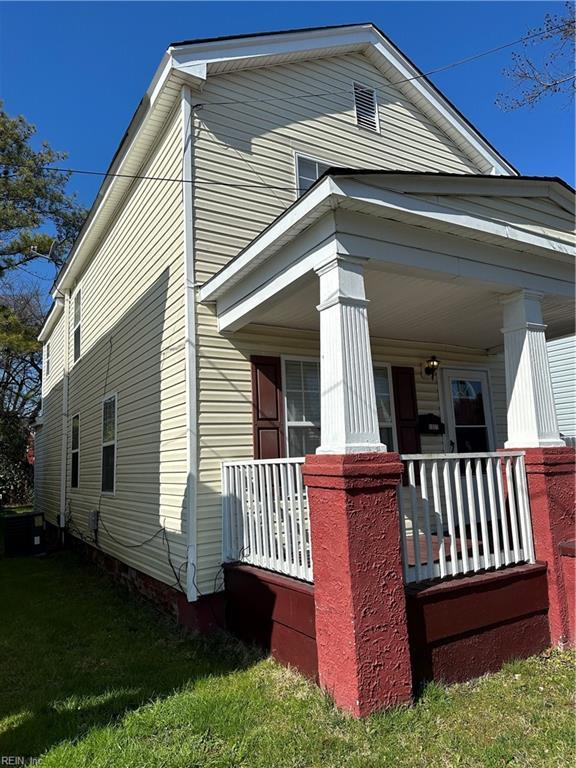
{"x": 225, "y": 418}
{"x": 132, "y": 344}
{"x": 533, "y": 214}
{"x": 249, "y": 144}
{"x": 48, "y": 437}
{"x": 562, "y": 358}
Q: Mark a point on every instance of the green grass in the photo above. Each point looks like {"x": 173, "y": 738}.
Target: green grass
{"x": 89, "y": 676}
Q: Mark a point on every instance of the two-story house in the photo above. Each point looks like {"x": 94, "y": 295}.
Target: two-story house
{"x": 300, "y": 246}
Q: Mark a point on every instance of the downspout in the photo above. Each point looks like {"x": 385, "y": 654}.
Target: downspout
{"x": 64, "y": 442}
{"x": 189, "y": 341}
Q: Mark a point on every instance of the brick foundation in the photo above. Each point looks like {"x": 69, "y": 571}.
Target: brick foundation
{"x": 204, "y": 615}
{"x": 567, "y": 550}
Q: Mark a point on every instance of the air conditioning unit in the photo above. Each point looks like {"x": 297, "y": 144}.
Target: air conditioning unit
{"x": 24, "y": 534}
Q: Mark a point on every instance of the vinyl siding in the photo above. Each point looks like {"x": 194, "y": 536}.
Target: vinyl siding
{"x": 562, "y": 358}
{"x": 532, "y": 214}
{"x": 132, "y": 333}
{"x": 253, "y": 144}
{"x": 225, "y": 418}
{"x": 249, "y": 144}
{"x": 48, "y": 438}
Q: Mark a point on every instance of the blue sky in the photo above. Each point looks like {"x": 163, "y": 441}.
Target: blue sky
{"x": 78, "y": 70}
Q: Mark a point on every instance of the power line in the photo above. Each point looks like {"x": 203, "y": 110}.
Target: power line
{"x": 443, "y": 68}
{"x": 295, "y": 97}
{"x": 164, "y": 178}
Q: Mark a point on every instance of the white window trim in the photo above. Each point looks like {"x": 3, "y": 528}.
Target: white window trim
{"x": 75, "y": 450}
{"x": 388, "y": 367}
{"x": 308, "y": 359}
{"x": 446, "y": 404}
{"x": 304, "y": 156}
{"x": 77, "y": 290}
{"x": 376, "y": 105}
{"x": 114, "y": 442}
{"x": 47, "y": 351}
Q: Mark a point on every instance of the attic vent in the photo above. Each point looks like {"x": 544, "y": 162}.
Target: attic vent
{"x": 366, "y": 108}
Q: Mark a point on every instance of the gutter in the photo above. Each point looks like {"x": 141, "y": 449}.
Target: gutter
{"x": 189, "y": 340}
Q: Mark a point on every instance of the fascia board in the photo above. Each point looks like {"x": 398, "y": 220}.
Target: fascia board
{"x": 272, "y": 45}
{"x": 51, "y": 320}
{"x": 420, "y": 86}
{"x": 435, "y": 212}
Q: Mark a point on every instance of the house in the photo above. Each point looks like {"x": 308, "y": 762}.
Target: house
{"x": 302, "y": 247}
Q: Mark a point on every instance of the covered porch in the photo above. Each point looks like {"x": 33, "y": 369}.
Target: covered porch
{"x": 483, "y": 264}
{"x": 477, "y": 263}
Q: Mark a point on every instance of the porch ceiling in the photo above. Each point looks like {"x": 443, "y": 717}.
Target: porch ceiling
{"x": 414, "y": 308}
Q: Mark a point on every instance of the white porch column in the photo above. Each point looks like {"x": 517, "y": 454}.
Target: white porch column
{"x": 348, "y": 401}
{"x": 532, "y": 421}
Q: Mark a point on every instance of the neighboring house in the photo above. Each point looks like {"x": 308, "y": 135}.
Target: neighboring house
{"x": 267, "y": 188}
{"x": 562, "y": 358}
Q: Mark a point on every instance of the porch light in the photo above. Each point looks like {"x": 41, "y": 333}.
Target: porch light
{"x": 432, "y": 365}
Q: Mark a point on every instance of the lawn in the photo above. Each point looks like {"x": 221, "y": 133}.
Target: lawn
{"x": 90, "y": 676}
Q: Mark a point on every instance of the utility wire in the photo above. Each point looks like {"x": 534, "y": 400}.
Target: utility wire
{"x": 295, "y": 97}
{"x": 443, "y": 68}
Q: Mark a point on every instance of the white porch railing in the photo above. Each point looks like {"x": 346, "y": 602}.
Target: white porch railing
{"x": 266, "y": 520}
{"x": 459, "y": 513}
{"x": 462, "y": 513}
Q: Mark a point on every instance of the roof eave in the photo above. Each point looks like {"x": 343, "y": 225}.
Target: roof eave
{"x": 327, "y": 188}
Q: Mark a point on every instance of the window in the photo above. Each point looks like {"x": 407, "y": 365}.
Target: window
{"x": 77, "y": 322}
{"x": 366, "y": 108}
{"x": 75, "y": 474}
{"x": 384, "y": 405}
{"x": 109, "y": 444}
{"x": 302, "y": 394}
{"x": 47, "y": 360}
{"x": 308, "y": 171}
{"x": 302, "y": 383}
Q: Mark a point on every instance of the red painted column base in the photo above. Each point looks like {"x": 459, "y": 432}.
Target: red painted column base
{"x": 551, "y": 475}
{"x": 360, "y": 607}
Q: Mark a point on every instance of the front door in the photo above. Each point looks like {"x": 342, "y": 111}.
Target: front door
{"x": 468, "y": 409}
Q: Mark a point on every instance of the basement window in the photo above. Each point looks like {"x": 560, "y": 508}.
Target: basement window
{"x": 366, "y": 108}
{"x": 75, "y": 469}
{"x": 109, "y": 444}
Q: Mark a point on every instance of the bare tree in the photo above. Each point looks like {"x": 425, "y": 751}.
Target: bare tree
{"x": 546, "y": 64}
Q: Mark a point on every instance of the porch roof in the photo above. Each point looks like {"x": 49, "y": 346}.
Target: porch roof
{"x": 397, "y": 195}
{"x": 470, "y": 237}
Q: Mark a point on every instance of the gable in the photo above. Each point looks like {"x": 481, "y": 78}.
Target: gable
{"x": 199, "y": 59}
{"x": 298, "y": 100}
{"x": 250, "y": 128}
